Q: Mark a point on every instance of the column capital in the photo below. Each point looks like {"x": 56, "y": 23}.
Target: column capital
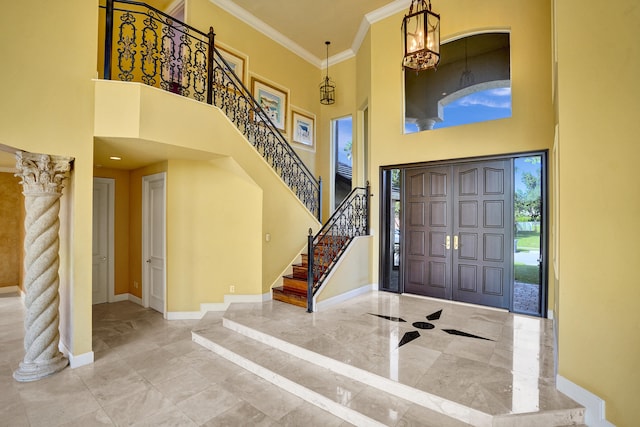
{"x": 42, "y": 173}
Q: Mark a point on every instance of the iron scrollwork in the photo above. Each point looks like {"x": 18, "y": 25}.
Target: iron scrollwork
{"x": 158, "y": 50}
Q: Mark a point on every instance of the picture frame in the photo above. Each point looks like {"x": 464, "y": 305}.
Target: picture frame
{"x": 303, "y": 128}
{"x": 236, "y": 61}
{"x": 273, "y": 100}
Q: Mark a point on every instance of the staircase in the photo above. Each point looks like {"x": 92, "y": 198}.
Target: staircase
{"x": 295, "y": 286}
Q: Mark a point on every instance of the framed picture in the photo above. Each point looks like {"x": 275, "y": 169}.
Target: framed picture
{"x": 236, "y": 62}
{"x": 274, "y": 101}
{"x": 303, "y": 129}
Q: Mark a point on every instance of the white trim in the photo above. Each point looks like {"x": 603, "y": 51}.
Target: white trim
{"x": 9, "y": 289}
{"x": 135, "y": 299}
{"x": 76, "y": 361}
{"x": 550, "y": 314}
{"x": 595, "y": 406}
{"x": 174, "y": 7}
{"x": 217, "y": 306}
{"x": 259, "y": 25}
{"x": 121, "y": 297}
{"x": 323, "y": 305}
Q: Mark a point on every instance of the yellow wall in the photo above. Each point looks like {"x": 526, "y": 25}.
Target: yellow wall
{"x": 147, "y": 115}
{"x": 530, "y": 127}
{"x": 599, "y": 288}
{"x": 121, "y": 226}
{"x": 11, "y": 222}
{"x": 352, "y": 271}
{"x": 48, "y": 108}
{"x": 266, "y": 58}
{"x": 213, "y": 238}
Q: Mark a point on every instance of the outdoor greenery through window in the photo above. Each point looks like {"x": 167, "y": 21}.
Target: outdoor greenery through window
{"x": 527, "y": 242}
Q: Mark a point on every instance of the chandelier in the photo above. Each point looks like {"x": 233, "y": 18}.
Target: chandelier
{"x": 327, "y": 87}
{"x": 421, "y": 32}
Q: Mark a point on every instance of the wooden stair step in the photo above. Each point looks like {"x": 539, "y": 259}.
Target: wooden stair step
{"x": 295, "y": 284}
{"x": 290, "y": 297}
{"x": 300, "y": 271}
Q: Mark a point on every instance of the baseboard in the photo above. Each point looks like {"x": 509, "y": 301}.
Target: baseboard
{"x": 134, "y": 298}
{"x": 120, "y": 297}
{"x": 323, "y": 305}
{"x": 595, "y": 406}
{"x": 76, "y": 361}
{"x": 216, "y": 306}
{"x": 9, "y": 289}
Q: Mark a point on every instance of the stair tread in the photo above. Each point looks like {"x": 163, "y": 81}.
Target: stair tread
{"x": 353, "y": 398}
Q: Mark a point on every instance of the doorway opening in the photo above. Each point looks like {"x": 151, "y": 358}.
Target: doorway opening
{"x": 342, "y": 138}
{"x": 470, "y": 230}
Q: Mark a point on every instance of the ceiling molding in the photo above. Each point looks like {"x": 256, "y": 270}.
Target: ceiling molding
{"x": 369, "y": 19}
{"x": 251, "y": 20}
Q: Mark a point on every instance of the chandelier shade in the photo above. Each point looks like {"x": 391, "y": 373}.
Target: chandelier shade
{"x": 421, "y": 32}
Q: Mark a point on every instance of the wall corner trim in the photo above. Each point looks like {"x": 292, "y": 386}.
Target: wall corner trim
{"x": 76, "y": 361}
{"x": 595, "y": 406}
{"x": 216, "y": 306}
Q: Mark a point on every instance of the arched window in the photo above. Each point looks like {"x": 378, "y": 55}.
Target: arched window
{"x": 472, "y": 84}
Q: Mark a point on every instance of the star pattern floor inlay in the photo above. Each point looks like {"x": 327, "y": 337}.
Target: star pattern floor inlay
{"x": 412, "y": 335}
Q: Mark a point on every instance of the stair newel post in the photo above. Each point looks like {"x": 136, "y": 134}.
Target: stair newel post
{"x": 368, "y": 211}
{"x": 320, "y": 198}
{"x": 108, "y": 40}
{"x": 211, "y": 36}
{"x": 310, "y": 272}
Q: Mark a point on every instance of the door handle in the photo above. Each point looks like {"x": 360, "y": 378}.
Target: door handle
{"x": 447, "y": 243}
{"x": 149, "y": 260}
{"x": 455, "y": 242}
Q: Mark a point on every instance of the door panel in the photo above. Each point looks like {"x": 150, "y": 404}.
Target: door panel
{"x": 155, "y": 241}
{"x": 456, "y": 232}
{"x": 426, "y": 232}
{"x": 482, "y": 262}
{"x": 100, "y": 274}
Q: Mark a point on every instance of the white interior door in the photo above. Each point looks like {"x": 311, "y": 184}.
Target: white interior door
{"x": 154, "y": 269}
{"x": 102, "y": 276}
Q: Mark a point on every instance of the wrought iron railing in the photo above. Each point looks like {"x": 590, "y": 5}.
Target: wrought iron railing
{"x": 146, "y": 45}
{"x": 351, "y": 219}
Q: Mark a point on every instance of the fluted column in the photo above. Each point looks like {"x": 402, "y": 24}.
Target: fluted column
{"x": 42, "y": 177}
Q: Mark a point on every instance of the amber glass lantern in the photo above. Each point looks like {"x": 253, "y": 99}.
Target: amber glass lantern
{"x": 421, "y": 31}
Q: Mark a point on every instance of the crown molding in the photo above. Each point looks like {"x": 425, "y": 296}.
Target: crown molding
{"x": 369, "y": 19}
{"x": 251, "y": 20}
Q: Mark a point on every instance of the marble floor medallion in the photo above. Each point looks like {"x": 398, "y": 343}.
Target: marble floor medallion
{"x": 412, "y": 335}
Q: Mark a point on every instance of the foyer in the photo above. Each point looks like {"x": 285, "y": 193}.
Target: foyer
{"x": 148, "y": 371}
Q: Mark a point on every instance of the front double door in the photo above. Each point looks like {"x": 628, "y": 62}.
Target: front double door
{"x": 458, "y": 232}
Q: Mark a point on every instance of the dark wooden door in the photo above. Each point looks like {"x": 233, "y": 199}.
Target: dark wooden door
{"x": 427, "y": 231}
{"x": 483, "y": 233}
{"x": 458, "y": 230}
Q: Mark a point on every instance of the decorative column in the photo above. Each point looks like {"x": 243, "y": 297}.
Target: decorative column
{"x": 42, "y": 177}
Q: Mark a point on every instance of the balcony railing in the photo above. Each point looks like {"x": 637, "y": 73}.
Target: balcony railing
{"x": 145, "y": 45}
{"x": 351, "y": 219}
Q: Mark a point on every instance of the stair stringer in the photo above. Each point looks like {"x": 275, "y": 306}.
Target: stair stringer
{"x": 350, "y": 276}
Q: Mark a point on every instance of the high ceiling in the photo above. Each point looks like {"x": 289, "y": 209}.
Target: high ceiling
{"x": 304, "y": 25}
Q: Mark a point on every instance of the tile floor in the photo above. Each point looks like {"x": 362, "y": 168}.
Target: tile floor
{"x": 147, "y": 371}
{"x": 494, "y": 362}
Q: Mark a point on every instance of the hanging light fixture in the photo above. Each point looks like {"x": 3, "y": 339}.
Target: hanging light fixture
{"x": 421, "y": 31}
{"x": 327, "y": 87}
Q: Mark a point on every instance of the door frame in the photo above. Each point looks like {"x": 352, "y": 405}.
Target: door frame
{"x": 544, "y": 224}
{"x": 146, "y": 182}
{"x": 111, "y": 184}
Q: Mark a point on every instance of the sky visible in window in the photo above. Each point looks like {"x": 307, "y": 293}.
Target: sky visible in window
{"x": 481, "y": 106}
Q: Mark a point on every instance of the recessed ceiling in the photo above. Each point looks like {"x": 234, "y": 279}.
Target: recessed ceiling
{"x": 307, "y": 24}
{"x": 136, "y": 153}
